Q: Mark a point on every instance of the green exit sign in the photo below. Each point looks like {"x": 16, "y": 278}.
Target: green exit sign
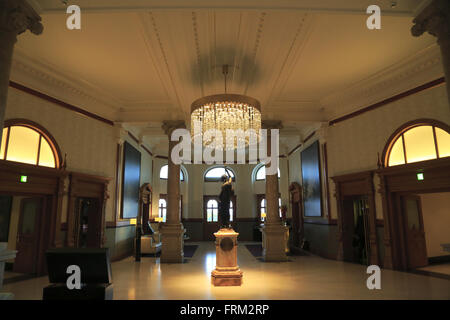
{"x": 23, "y": 179}
{"x": 420, "y": 177}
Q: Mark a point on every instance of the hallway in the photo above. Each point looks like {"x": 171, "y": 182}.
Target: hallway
{"x": 303, "y": 277}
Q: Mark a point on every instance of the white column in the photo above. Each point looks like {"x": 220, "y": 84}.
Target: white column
{"x": 274, "y": 232}
{"x": 16, "y": 17}
{"x": 172, "y": 231}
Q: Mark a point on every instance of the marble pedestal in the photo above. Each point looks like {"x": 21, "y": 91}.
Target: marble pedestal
{"x": 4, "y": 256}
{"x": 227, "y": 272}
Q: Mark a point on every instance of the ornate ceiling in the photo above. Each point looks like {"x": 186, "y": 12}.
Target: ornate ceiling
{"x": 141, "y": 62}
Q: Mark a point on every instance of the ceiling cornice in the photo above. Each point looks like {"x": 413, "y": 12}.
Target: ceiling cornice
{"x": 418, "y": 69}
{"x": 403, "y": 8}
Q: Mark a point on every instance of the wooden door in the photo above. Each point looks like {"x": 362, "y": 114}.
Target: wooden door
{"x": 414, "y": 233}
{"x": 297, "y": 214}
{"x": 28, "y": 233}
{"x": 94, "y": 224}
{"x": 88, "y": 223}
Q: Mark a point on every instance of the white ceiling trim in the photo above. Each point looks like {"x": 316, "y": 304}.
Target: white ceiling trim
{"x": 403, "y": 8}
{"x": 416, "y": 70}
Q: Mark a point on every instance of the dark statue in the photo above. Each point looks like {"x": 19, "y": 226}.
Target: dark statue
{"x": 224, "y": 201}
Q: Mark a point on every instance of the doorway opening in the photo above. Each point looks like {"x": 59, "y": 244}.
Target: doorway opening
{"x": 425, "y": 221}
{"x": 356, "y": 235}
{"x": 87, "y": 223}
{"x": 23, "y": 223}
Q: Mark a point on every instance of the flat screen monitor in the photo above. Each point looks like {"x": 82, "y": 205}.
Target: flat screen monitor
{"x": 94, "y": 263}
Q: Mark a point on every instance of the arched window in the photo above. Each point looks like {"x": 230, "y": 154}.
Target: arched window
{"x": 212, "y": 210}
{"x": 214, "y": 174}
{"x": 164, "y": 173}
{"x": 27, "y": 142}
{"x": 263, "y": 208}
{"x": 162, "y": 209}
{"x": 261, "y": 173}
{"x": 417, "y": 141}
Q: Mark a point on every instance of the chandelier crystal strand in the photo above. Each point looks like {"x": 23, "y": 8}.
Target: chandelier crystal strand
{"x": 223, "y": 112}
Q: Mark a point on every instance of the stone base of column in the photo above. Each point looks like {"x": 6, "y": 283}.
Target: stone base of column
{"x": 172, "y": 243}
{"x": 274, "y": 243}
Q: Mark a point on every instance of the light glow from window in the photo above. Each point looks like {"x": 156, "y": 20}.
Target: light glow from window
{"x": 261, "y": 173}
{"x": 164, "y": 173}
{"x": 21, "y": 143}
{"x": 419, "y": 143}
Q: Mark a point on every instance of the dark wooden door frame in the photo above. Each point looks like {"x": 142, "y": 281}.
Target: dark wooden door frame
{"x": 356, "y": 184}
{"x": 398, "y": 180}
{"x": 295, "y": 195}
{"x": 45, "y": 182}
{"x": 86, "y": 186}
{"x": 404, "y": 222}
{"x": 39, "y": 218}
{"x": 145, "y": 205}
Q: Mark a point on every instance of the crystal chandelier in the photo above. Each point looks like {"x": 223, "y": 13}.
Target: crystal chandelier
{"x": 222, "y": 112}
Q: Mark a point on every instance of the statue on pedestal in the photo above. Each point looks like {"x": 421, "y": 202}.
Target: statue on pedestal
{"x": 224, "y": 201}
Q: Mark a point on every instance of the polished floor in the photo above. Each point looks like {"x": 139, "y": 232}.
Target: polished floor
{"x": 303, "y": 277}
{"x": 443, "y": 268}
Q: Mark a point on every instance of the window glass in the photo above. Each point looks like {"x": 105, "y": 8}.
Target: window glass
{"x": 2, "y": 148}
{"x": 261, "y": 173}
{"x": 443, "y": 142}
{"x": 46, "y": 157}
{"x": 212, "y": 210}
{"x": 216, "y": 173}
{"x": 231, "y": 210}
{"x": 23, "y": 145}
{"x": 164, "y": 173}
{"x": 397, "y": 155}
{"x": 419, "y": 144}
{"x": 163, "y": 209}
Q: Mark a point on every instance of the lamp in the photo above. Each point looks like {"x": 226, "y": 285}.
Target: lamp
{"x": 223, "y": 112}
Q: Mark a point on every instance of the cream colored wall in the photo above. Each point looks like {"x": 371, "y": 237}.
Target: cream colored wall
{"x": 160, "y": 187}
{"x": 195, "y": 188}
{"x": 353, "y": 144}
{"x": 295, "y": 174}
{"x": 90, "y": 145}
{"x": 436, "y": 219}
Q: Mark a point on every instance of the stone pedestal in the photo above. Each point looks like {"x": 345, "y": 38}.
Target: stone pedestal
{"x": 227, "y": 272}
{"x": 172, "y": 243}
{"x": 274, "y": 242}
{"x": 4, "y": 256}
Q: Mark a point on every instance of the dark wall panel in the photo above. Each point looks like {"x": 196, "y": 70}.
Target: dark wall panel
{"x": 131, "y": 181}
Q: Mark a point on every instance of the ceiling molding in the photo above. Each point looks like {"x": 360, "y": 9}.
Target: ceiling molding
{"x": 403, "y": 8}
{"x": 414, "y": 71}
{"x": 44, "y": 78}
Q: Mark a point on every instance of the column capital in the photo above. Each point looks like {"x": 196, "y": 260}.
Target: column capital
{"x": 271, "y": 124}
{"x": 17, "y": 16}
{"x": 170, "y": 125}
{"x": 120, "y": 133}
{"x": 434, "y": 19}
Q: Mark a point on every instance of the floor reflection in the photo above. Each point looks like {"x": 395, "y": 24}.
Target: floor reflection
{"x": 210, "y": 262}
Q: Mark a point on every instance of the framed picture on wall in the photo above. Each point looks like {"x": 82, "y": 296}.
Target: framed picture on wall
{"x": 312, "y": 191}
{"x": 131, "y": 181}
